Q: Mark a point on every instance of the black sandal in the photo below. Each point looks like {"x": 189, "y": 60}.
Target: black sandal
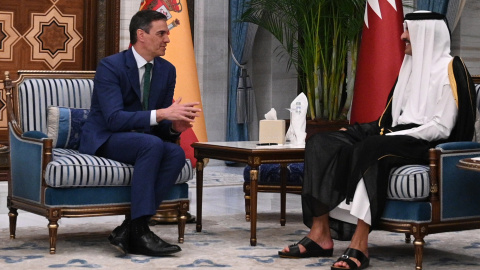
{"x": 313, "y": 250}
{"x": 354, "y": 253}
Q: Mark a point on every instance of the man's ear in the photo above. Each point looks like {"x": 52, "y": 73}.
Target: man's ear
{"x": 140, "y": 35}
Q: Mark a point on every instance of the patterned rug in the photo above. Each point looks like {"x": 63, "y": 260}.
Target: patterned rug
{"x": 224, "y": 243}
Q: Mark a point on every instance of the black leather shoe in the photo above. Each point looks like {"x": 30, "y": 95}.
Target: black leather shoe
{"x": 151, "y": 245}
{"x": 119, "y": 237}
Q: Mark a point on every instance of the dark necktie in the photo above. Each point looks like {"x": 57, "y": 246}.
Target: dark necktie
{"x": 146, "y": 84}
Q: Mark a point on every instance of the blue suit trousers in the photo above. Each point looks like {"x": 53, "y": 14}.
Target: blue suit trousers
{"x": 157, "y": 165}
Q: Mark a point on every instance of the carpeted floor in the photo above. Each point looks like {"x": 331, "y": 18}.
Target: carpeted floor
{"x": 224, "y": 243}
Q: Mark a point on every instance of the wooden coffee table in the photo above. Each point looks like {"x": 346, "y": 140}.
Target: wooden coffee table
{"x": 250, "y": 153}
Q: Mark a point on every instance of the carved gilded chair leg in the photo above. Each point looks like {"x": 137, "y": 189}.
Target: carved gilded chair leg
{"x": 418, "y": 244}
{"x": 408, "y": 238}
{"x": 246, "y": 190}
{"x": 12, "y": 215}
{"x": 52, "y": 231}
{"x": 182, "y": 220}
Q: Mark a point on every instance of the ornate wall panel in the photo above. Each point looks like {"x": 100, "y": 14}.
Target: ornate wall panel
{"x": 42, "y": 34}
{"x": 8, "y": 36}
{"x": 53, "y": 38}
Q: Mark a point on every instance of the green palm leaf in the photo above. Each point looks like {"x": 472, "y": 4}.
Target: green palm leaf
{"x": 317, "y": 35}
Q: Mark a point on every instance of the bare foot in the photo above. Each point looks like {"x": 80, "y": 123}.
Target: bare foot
{"x": 323, "y": 242}
{"x": 319, "y": 233}
{"x": 359, "y": 242}
{"x": 344, "y": 265}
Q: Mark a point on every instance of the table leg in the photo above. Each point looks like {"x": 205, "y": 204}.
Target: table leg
{"x": 199, "y": 169}
{"x": 253, "y": 205}
{"x": 283, "y": 193}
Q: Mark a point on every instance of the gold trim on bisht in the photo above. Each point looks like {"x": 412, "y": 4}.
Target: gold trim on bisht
{"x": 453, "y": 82}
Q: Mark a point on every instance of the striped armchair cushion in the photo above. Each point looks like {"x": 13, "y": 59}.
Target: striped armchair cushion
{"x": 187, "y": 173}
{"x": 409, "y": 182}
{"x": 67, "y": 166}
{"x": 36, "y": 95}
{"x": 95, "y": 171}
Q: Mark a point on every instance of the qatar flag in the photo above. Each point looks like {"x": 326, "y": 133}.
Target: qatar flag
{"x": 379, "y": 60}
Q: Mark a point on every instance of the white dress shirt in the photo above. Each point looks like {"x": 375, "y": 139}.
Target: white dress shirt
{"x": 141, "y": 71}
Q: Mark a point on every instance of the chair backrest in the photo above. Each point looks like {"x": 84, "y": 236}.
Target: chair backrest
{"x": 37, "y": 90}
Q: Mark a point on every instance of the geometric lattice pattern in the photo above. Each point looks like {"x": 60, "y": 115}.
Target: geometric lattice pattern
{"x": 53, "y": 37}
{"x": 8, "y": 36}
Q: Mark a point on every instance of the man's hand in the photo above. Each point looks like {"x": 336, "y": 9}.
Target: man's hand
{"x": 176, "y": 111}
{"x": 181, "y": 126}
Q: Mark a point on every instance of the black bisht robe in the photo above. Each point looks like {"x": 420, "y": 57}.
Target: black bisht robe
{"x": 336, "y": 161}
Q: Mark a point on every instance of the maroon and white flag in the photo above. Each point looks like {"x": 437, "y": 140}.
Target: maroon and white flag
{"x": 379, "y": 60}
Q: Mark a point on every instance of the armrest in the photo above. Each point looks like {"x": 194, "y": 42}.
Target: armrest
{"x": 450, "y": 146}
{"x": 28, "y": 159}
{"x": 34, "y": 135}
{"x": 29, "y": 154}
{"x": 458, "y": 188}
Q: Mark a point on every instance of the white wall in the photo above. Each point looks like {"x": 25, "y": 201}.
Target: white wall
{"x": 274, "y": 85}
{"x": 211, "y": 54}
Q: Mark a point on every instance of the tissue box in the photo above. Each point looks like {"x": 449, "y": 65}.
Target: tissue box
{"x": 272, "y": 131}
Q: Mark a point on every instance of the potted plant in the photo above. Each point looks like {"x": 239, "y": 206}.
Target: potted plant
{"x": 319, "y": 36}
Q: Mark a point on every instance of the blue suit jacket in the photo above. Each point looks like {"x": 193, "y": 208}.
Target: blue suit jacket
{"x": 116, "y": 100}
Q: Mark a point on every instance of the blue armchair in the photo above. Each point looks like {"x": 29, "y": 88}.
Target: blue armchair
{"x": 49, "y": 177}
{"x": 450, "y": 202}
{"x": 422, "y": 200}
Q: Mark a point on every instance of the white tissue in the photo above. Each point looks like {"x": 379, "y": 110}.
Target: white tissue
{"x": 270, "y": 129}
{"x": 296, "y": 133}
{"x": 271, "y": 115}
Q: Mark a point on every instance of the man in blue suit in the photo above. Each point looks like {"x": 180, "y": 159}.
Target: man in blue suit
{"x": 133, "y": 120}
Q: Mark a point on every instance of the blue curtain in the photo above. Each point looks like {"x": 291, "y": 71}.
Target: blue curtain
{"x": 439, "y": 6}
{"x": 238, "y": 33}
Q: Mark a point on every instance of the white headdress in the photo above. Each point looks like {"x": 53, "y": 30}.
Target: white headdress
{"x": 425, "y": 72}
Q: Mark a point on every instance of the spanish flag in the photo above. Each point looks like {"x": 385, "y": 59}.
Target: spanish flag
{"x": 180, "y": 53}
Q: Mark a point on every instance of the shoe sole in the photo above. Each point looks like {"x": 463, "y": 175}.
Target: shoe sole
{"x": 304, "y": 255}
{"x": 118, "y": 245}
{"x": 297, "y": 257}
{"x": 120, "y": 248}
{"x": 163, "y": 254}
